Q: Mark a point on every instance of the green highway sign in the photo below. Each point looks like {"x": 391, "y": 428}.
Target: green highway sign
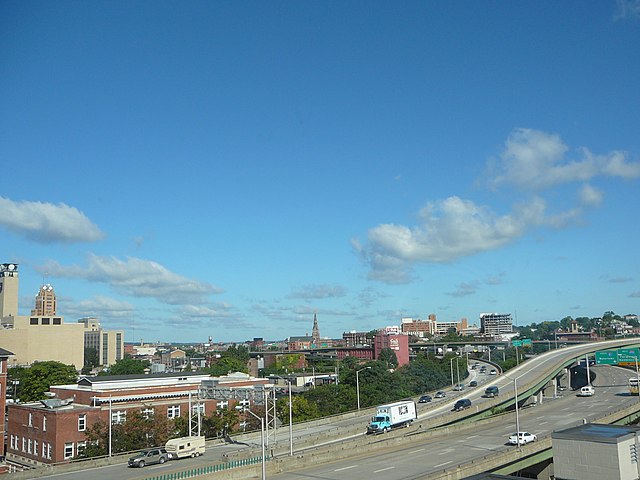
{"x": 607, "y": 357}
{"x": 628, "y": 355}
{"x": 525, "y": 342}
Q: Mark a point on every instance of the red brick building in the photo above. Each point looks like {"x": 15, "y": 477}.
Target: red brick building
{"x": 398, "y": 343}
{"x": 4, "y": 356}
{"x": 53, "y": 430}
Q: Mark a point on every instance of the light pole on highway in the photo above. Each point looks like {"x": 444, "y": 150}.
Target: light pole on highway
{"x": 515, "y": 389}
{"x": 457, "y": 370}
{"x": 290, "y": 417}
{"x": 358, "y": 384}
{"x": 264, "y": 468}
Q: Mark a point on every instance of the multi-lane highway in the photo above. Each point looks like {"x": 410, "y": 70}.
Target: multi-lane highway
{"x": 423, "y": 455}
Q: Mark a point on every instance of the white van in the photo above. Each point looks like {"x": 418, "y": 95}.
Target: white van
{"x": 185, "y": 447}
{"x": 587, "y": 391}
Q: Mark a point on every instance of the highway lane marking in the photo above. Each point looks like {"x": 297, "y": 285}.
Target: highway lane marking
{"x": 383, "y": 469}
{"x": 472, "y": 436}
{"x": 419, "y": 450}
{"x": 442, "y": 464}
{"x": 543, "y": 423}
{"x": 346, "y": 468}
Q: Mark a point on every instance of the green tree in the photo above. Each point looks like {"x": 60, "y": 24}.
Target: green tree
{"x": 138, "y": 431}
{"x": 128, "y": 366}
{"x": 91, "y": 360}
{"x": 225, "y": 365}
{"x": 38, "y": 378}
{"x": 388, "y": 357}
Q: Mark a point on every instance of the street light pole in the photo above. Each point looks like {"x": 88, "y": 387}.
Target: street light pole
{"x": 358, "y": 384}
{"x": 264, "y": 468}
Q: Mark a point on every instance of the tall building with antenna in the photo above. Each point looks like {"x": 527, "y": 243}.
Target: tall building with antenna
{"x": 45, "y": 302}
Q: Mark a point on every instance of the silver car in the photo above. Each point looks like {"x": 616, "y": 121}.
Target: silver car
{"x": 149, "y": 457}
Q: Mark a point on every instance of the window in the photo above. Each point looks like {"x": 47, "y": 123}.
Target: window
{"x": 12, "y": 443}
{"x": 147, "y": 413}
{"x": 49, "y": 451}
{"x": 35, "y": 447}
{"x": 68, "y": 450}
{"x": 44, "y": 450}
{"x": 119, "y": 416}
{"x": 44, "y": 424}
{"x": 82, "y": 422}
{"x": 81, "y": 448}
{"x": 33, "y": 321}
{"x": 30, "y": 419}
{"x": 24, "y": 444}
{"x": 29, "y": 446}
{"x": 46, "y": 321}
{"x": 173, "y": 411}
{"x": 57, "y": 321}
{"x": 222, "y": 405}
{"x": 199, "y": 408}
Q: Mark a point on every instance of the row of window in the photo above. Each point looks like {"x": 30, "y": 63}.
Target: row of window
{"x": 45, "y": 321}
{"x": 30, "y": 446}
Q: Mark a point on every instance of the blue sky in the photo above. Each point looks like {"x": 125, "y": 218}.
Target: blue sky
{"x": 183, "y": 170}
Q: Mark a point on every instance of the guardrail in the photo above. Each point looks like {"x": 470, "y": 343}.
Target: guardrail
{"x": 195, "y": 472}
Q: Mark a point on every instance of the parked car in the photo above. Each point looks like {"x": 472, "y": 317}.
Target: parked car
{"x": 522, "y": 438}
{"x": 462, "y": 404}
{"x": 440, "y": 394}
{"x": 149, "y": 457}
{"x": 493, "y": 371}
{"x": 459, "y": 387}
{"x": 425, "y": 399}
{"x": 473, "y": 383}
{"x": 586, "y": 391}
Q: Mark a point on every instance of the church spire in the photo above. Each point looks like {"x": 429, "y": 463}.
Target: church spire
{"x": 315, "y": 333}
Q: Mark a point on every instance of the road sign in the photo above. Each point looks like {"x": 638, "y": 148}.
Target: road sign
{"x": 607, "y": 357}
{"x": 628, "y": 355}
{"x": 525, "y": 342}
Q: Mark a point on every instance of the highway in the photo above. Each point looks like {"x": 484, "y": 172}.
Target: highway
{"x": 551, "y": 414}
{"x": 431, "y": 456}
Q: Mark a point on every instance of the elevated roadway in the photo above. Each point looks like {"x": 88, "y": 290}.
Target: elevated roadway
{"x": 344, "y": 434}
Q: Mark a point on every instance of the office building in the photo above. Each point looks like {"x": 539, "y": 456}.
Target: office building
{"x": 492, "y": 324}
{"x": 44, "y": 335}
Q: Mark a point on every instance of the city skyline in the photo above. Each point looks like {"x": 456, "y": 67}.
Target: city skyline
{"x": 181, "y": 171}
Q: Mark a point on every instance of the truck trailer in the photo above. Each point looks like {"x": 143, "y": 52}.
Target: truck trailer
{"x": 393, "y": 415}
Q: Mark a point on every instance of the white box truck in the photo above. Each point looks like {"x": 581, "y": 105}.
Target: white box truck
{"x": 185, "y": 447}
{"x": 394, "y": 415}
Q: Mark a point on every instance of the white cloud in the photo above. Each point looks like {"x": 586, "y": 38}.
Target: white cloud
{"x": 535, "y": 160}
{"x": 627, "y": 9}
{"x": 450, "y": 229}
{"x": 318, "y": 291}
{"x": 590, "y": 196}
{"x": 48, "y": 223}
{"x": 99, "y": 307}
{"x": 137, "y": 277}
{"x": 464, "y": 290}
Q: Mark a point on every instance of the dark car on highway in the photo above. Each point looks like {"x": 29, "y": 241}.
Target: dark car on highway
{"x": 425, "y": 399}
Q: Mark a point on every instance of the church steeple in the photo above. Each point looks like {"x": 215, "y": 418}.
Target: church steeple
{"x": 315, "y": 333}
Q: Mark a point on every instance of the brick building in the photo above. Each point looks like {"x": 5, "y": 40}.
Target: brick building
{"x": 399, "y": 344}
{"x": 53, "y": 430}
{"x": 4, "y": 356}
